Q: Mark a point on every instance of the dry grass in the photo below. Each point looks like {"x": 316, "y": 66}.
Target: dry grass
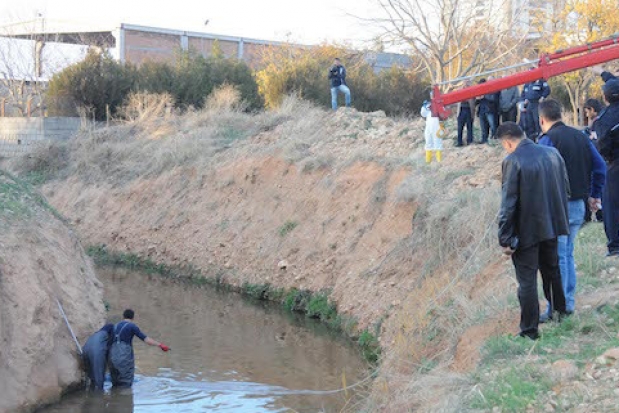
{"x": 151, "y": 141}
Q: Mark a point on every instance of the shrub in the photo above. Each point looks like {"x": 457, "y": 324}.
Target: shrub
{"x": 95, "y": 83}
{"x": 192, "y": 77}
{"x": 99, "y": 82}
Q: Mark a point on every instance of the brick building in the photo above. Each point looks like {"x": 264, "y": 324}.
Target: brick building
{"x": 136, "y": 44}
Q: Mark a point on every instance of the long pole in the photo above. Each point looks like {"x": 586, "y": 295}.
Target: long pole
{"x": 77, "y": 343}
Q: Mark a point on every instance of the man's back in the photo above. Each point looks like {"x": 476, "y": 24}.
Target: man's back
{"x": 536, "y": 186}
{"x": 573, "y": 146}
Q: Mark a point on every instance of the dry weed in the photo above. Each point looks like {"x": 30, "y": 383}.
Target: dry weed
{"x": 226, "y": 97}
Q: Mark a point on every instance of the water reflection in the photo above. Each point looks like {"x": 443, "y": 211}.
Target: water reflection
{"x": 227, "y": 355}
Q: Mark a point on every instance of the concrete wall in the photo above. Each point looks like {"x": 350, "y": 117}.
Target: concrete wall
{"x": 20, "y": 135}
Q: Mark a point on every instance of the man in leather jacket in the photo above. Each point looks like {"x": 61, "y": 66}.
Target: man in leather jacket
{"x": 533, "y": 214}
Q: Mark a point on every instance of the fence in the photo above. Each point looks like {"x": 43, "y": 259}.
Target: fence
{"x": 20, "y": 135}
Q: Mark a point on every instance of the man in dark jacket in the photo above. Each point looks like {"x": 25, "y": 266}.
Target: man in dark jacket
{"x": 94, "y": 354}
{"x": 337, "y": 76}
{"x": 533, "y": 214}
{"x": 608, "y": 145}
{"x": 532, "y": 94}
{"x": 586, "y": 172}
{"x": 487, "y": 111}
{"x": 508, "y": 104}
{"x": 466, "y": 113}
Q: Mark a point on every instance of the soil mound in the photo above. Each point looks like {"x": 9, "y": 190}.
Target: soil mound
{"x": 41, "y": 260}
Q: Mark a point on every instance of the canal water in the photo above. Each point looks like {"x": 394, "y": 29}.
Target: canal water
{"x": 228, "y": 355}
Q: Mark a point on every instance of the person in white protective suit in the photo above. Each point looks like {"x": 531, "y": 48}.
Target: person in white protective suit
{"x": 433, "y": 134}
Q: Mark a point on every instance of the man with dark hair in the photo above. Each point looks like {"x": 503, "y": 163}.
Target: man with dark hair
{"x": 337, "y": 76}
{"x": 586, "y": 172}
{"x": 122, "y": 362}
{"x": 94, "y": 355}
{"x": 533, "y": 214}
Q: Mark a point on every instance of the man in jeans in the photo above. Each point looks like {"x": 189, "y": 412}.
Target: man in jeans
{"x": 586, "y": 172}
{"x": 337, "y": 76}
{"x": 487, "y": 111}
{"x": 533, "y": 214}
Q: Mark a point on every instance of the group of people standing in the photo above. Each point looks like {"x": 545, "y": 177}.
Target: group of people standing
{"x": 504, "y": 106}
{"x": 546, "y": 189}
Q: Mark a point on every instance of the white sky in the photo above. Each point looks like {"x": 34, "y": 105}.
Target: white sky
{"x": 302, "y": 21}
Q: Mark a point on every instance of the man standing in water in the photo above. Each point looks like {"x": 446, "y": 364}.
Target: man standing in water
{"x": 95, "y": 353}
{"x": 122, "y": 362}
{"x": 533, "y": 214}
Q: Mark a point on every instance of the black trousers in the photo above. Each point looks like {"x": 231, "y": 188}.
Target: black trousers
{"x": 465, "y": 118}
{"x": 510, "y": 115}
{"x": 532, "y": 127}
{"x": 610, "y": 206}
{"x": 527, "y": 261}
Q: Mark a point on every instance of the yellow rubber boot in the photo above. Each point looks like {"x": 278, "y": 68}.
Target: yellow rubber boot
{"x": 428, "y": 156}
{"x": 439, "y": 156}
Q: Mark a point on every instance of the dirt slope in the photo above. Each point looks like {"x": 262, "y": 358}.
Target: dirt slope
{"x": 40, "y": 260}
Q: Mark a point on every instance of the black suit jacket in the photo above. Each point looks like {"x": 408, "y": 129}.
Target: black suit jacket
{"x": 534, "y": 196}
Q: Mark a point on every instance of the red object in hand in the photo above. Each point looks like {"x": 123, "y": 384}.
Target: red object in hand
{"x": 164, "y": 347}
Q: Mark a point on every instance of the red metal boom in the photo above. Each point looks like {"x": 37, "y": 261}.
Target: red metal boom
{"x": 549, "y": 65}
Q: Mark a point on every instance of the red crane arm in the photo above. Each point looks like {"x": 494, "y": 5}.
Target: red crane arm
{"x": 549, "y": 65}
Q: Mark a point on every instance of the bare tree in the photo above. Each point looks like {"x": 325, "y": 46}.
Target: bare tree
{"x": 21, "y": 88}
{"x": 454, "y": 38}
{"x": 29, "y": 57}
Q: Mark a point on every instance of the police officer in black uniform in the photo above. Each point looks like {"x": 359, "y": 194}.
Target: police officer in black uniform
{"x": 532, "y": 94}
{"x": 606, "y": 128}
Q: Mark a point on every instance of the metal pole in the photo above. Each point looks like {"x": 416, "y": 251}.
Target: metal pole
{"x": 527, "y": 63}
{"x": 77, "y": 343}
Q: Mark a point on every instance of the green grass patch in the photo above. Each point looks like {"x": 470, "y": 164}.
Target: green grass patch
{"x": 507, "y": 377}
{"x": 513, "y": 389}
{"x": 370, "y": 346}
{"x": 320, "y": 308}
{"x": 287, "y": 228}
{"x": 264, "y": 292}
{"x": 589, "y": 251}
{"x": 504, "y": 348}
{"x": 19, "y": 199}
{"x": 102, "y": 256}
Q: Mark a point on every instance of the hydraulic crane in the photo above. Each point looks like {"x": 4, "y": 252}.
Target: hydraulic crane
{"x": 548, "y": 65}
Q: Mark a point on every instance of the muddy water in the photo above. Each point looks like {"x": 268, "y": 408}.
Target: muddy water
{"x": 227, "y": 355}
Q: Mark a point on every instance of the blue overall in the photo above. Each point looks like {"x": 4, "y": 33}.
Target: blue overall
{"x": 121, "y": 359}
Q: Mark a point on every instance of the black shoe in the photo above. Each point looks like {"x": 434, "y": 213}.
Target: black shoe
{"x": 532, "y": 336}
{"x": 459, "y": 145}
{"x": 613, "y": 253}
